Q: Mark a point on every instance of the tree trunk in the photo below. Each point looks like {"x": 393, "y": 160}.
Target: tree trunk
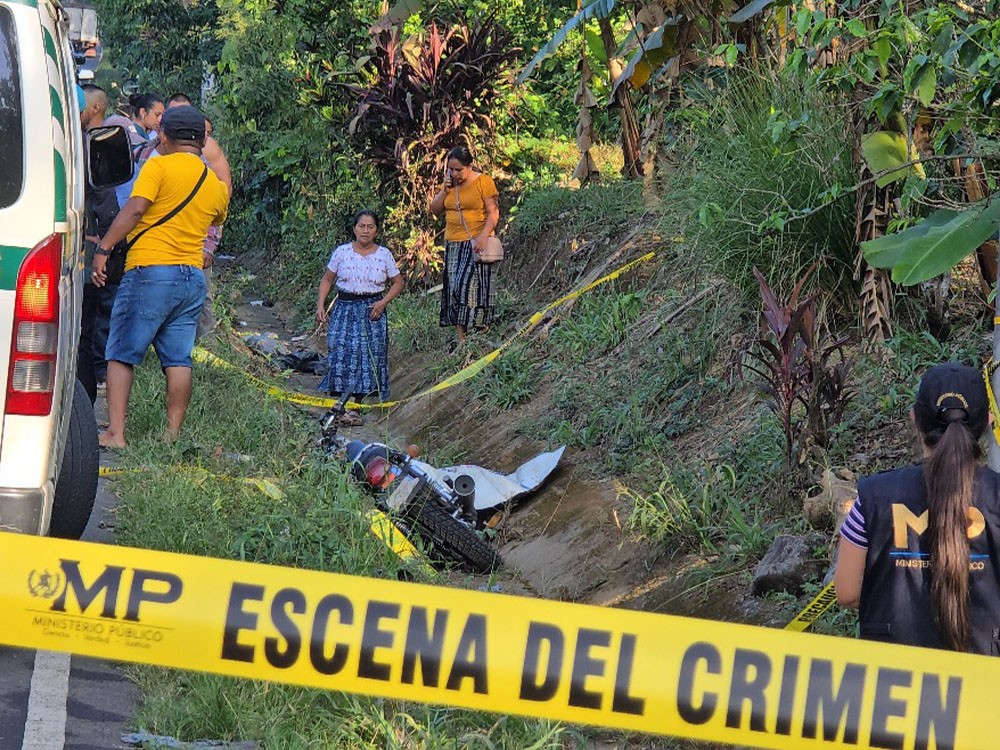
{"x": 623, "y": 103}
{"x": 976, "y": 189}
{"x": 874, "y": 207}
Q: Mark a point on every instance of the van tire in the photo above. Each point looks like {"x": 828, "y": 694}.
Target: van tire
{"x": 77, "y": 485}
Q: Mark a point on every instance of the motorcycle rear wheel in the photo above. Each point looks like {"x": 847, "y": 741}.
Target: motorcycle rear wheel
{"x": 453, "y": 540}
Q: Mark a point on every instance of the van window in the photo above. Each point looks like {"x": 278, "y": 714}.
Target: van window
{"x": 12, "y": 143}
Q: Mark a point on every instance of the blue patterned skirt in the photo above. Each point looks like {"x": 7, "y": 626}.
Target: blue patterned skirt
{"x": 358, "y": 359}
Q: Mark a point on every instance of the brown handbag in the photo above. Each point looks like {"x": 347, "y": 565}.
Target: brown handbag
{"x": 493, "y": 252}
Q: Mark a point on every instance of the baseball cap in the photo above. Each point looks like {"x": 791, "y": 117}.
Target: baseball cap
{"x": 952, "y": 385}
{"x": 183, "y": 124}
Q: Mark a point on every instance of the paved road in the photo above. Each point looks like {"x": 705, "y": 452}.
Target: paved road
{"x": 52, "y": 701}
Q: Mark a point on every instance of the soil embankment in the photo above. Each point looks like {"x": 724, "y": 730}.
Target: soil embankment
{"x": 570, "y": 540}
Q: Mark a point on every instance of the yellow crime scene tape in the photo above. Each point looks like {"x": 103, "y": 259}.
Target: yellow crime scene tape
{"x": 613, "y": 668}
{"x": 825, "y": 599}
{"x": 206, "y": 357}
{"x": 392, "y": 537}
{"x": 988, "y": 369}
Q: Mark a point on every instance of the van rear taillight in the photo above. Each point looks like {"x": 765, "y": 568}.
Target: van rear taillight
{"x": 32, "y": 375}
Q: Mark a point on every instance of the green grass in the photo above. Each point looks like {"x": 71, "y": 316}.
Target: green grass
{"x": 762, "y": 154}
{"x": 724, "y": 505}
{"x": 509, "y": 381}
{"x": 283, "y": 717}
{"x": 573, "y": 213}
{"x": 183, "y": 499}
{"x": 413, "y": 324}
{"x": 601, "y": 321}
{"x": 628, "y": 392}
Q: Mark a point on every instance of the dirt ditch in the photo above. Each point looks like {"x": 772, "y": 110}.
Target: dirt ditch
{"x": 569, "y": 541}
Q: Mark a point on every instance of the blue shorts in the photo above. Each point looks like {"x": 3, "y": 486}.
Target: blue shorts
{"x": 156, "y": 305}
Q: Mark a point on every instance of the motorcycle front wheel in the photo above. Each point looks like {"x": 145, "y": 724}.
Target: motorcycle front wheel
{"x": 453, "y": 540}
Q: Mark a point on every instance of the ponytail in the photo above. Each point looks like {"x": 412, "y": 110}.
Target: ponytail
{"x": 139, "y": 102}
{"x": 949, "y": 475}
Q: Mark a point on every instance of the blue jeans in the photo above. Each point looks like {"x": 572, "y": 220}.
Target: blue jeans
{"x": 156, "y": 305}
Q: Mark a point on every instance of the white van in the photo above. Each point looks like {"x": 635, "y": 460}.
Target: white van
{"x": 48, "y": 434}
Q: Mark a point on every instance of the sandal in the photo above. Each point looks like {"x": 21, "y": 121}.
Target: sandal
{"x": 351, "y": 419}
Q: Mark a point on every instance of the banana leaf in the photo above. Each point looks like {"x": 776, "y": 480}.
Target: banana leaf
{"x": 596, "y": 9}
{"x": 934, "y": 245}
{"x": 397, "y": 14}
{"x": 752, "y": 9}
{"x": 656, "y": 49}
{"x": 885, "y": 149}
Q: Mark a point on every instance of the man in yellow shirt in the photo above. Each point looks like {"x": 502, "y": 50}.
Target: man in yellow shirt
{"x": 174, "y": 201}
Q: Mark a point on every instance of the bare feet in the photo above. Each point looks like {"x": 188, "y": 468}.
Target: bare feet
{"x": 107, "y": 439}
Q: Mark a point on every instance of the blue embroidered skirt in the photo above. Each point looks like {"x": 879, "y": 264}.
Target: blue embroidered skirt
{"x": 358, "y": 359}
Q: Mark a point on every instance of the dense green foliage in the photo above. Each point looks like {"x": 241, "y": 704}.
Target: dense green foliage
{"x": 759, "y": 157}
{"x": 164, "y": 46}
{"x": 927, "y": 78}
{"x": 295, "y": 93}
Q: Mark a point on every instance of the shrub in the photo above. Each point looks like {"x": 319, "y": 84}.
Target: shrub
{"x": 764, "y": 154}
{"x": 424, "y": 95}
{"x": 796, "y": 369}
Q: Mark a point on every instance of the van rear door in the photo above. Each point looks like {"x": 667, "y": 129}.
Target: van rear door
{"x": 13, "y": 247}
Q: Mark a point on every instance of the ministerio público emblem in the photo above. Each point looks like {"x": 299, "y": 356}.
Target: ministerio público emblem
{"x": 45, "y": 585}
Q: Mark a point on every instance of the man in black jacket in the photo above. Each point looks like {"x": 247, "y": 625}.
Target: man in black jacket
{"x": 101, "y": 208}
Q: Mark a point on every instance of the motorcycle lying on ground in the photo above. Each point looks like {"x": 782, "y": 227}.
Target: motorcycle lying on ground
{"x": 446, "y": 507}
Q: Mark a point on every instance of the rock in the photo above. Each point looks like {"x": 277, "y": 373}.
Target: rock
{"x": 266, "y": 343}
{"x": 147, "y": 740}
{"x": 826, "y": 510}
{"x": 789, "y": 563}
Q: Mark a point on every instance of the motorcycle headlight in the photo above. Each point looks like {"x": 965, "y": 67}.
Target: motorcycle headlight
{"x": 377, "y": 472}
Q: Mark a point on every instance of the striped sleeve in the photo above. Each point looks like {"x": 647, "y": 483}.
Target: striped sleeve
{"x": 853, "y": 529}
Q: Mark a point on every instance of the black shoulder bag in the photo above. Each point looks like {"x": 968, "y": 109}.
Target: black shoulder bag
{"x": 116, "y": 261}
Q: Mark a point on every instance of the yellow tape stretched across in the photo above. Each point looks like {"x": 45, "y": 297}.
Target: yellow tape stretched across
{"x": 615, "y": 668}
{"x": 988, "y": 369}
{"x": 205, "y": 356}
{"x": 825, "y": 599}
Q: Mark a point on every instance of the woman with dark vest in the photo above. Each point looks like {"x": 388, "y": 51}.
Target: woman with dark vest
{"x": 919, "y": 555}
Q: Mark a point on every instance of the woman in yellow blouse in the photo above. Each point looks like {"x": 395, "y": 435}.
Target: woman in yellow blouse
{"x": 468, "y": 200}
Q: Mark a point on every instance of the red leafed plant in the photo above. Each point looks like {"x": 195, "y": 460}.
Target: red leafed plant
{"x": 424, "y": 95}
{"x": 803, "y": 372}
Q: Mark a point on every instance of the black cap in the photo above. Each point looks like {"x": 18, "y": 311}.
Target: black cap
{"x": 952, "y": 385}
{"x": 183, "y": 123}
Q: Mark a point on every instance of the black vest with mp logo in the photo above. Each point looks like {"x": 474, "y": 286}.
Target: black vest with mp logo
{"x": 895, "y": 596}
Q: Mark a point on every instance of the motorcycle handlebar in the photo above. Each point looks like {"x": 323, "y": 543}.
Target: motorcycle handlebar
{"x": 440, "y": 487}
